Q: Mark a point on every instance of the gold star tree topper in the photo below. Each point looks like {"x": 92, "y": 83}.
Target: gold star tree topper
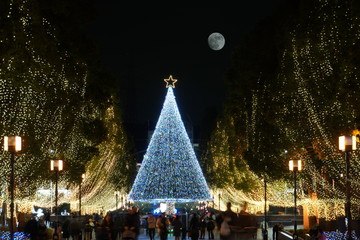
{"x": 170, "y": 82}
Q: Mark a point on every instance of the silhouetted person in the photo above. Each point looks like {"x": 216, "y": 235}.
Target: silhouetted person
{"x": 194, "y": 227}
{"x": 32, "y": 228}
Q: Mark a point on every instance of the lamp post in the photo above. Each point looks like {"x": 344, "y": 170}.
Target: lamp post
{"x": 219, "y": 200}
{"x": 12, "y": 144}
{"x": 213, "y": 203}
{"x": 81, "y": 180}
{"x": 116, "y": 198}
{"x": 295, "y": 166}
{"x": 56, "y": 166}
{"x": 265, "y": 231}
{"x": 347, "y": 144}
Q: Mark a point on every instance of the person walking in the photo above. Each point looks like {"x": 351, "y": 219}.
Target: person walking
{"x": 151, "y": 224}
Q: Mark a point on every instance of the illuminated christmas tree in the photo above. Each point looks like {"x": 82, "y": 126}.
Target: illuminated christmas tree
{"x": 170, "y": 171}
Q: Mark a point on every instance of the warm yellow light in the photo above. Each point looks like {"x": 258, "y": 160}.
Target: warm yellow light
{"x": 12, "y": 143}
{"x": 56, "y": 165}
{"x": 295, "y": 165}
{"x": 170, "y": 82}
{"x": 347, "y": 143}
{"x": 83, "y": 176}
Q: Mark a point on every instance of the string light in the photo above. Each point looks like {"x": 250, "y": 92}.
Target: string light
{"x": 313, "y": 97}
{"x": 170, "y": 170}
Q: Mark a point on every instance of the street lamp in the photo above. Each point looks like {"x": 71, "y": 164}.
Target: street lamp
{"x": 81, "y": 180}
{"x": 12, "y": 144}
{"x": 56, "y": 166}
{"x": 219, "y": 200}
{"x": 347, "y": 144}
{"x": 265, "y": 231}
{"x": 116, "y": 198}
{"x": 295, "y": 166}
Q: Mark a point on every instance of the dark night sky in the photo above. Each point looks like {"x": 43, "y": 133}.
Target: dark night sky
{"x": 142, "y": 47}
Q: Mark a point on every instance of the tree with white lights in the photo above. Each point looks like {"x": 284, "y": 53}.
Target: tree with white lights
{"x": 170, "y": 171}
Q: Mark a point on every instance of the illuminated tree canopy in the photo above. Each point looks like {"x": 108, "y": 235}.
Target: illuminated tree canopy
{"x": 293, "y": 89}
{"x": 54, "y": 94}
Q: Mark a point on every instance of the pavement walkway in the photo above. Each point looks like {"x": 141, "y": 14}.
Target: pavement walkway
{"x": 258, "y": 236}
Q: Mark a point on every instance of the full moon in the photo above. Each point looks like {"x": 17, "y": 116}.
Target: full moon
{"x": 216, "y": 41}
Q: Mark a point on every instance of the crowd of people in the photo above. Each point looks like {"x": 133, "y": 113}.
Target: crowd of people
{"x": 120, "y": 225}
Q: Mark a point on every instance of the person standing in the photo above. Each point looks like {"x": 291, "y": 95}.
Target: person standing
{"x": 202, "y": 228}
{"x": 32, "y": 227}
{"x": 177, "y": 226}
{"x": 118, "y": 220}
{"x": 75, "y": 228}
{"x": 275, "y": 231}
{"x": 132, "y": 221}
{"x": 47, "y": 217}
{"x": 66, "y": 229}
{"x": 88, "y": 228}
{"x": 163, "y": 224}
{"x": 194, "y": 227}
{"x": 151, "y": 224}
{"x": 107, "y": 226}
{"x": 42, "y": 230}
{"x": 230, "y": 218}
{"x": 210, "y": 226}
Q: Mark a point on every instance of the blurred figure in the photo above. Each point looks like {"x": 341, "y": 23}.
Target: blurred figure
{"x": 132, "y": 222}
{"x": 66, "y": 229}
{"x": 163, "y": 224}
{"x": 32, "y": 227}
{"x": 42, "y": 230}
{"x": 210, "y": 226}
{"x": 88, "y": 228}
{"x": 47, "y": 217}
{"x": 177, "y": 226}
{"x": 202, "y": 228}
{"x": 194, "y": 227}
{"x": 107, "y": 227}
{"x": 151, "y": 224}
{"x": 75, "y": 228}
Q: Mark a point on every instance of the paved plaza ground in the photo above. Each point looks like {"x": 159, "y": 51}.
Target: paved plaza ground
{"x": 216, "y": 234}
{"x": 257, "y": 236}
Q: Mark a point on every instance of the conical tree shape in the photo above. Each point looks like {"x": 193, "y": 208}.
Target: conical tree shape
{"x": 170, "y": 170}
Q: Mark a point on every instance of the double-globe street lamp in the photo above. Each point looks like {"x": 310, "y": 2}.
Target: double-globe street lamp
{"x": 347, "y": 144}
{"x": 13, "y": 145}
{"x": 295, "y": 166}
{"x": 56, "y": 166}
